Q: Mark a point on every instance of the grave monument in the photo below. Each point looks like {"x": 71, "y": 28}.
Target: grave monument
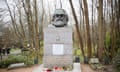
{"x": 58, "y": 44}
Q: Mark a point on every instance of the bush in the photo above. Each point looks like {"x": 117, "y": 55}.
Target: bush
{"x": 4, "y": 63}
{"x": 116, "y": 62}
{"x": 12, "y": 59}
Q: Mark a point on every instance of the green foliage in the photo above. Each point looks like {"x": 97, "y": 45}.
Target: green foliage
{"x": 116, "y": 62}
{"x": 41, "y": 55}
{"x": 107, "y": 48}
{"x": 4, "y": 63}
{"x": 15, "y": 59}
{"x": 118, "y": 43}
{"x": 107, "y": 39}
{"x": 77, "y": 52}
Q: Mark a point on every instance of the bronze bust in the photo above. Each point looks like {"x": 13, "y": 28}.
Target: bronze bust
{"x": 59, "y": 18}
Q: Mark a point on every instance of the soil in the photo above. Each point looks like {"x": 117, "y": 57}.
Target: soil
{"x": 86, "y": 68}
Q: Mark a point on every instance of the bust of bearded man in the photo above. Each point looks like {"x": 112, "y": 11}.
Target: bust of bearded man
{"x": 59, "y": 18}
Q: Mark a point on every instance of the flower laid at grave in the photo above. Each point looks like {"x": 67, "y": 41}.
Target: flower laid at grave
{"x": 55, "y": 69}
{"x": 47, "y": 70}
{"x": 58, "y": 69}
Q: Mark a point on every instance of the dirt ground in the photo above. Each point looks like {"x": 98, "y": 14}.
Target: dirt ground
{"x": 25, "y": 69}
{"x": 84, "y": 67}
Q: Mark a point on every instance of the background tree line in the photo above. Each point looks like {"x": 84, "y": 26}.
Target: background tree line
{"x": 96, "y": 24}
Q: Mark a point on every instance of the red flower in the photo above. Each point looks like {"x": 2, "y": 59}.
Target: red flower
{"x": 56, "y": 68}
{"x": 49, "y": 70}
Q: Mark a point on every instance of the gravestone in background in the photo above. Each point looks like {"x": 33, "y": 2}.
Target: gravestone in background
{"x": 58, "y": 47}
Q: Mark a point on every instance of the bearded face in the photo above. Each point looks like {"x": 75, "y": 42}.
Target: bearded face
{"x": 60, "y": 18}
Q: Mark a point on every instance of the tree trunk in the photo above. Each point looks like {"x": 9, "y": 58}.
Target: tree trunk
{"x": 113, "y": 39}
{"x": 27, "y": 8}
{"x": 21, "y": 23}
{"x": 12, "y": 19}
{"x": 101, "y": 30}
{"x": 36, "y": 29}
{"x": 60, "y": 4}
{"x": 89, "y": 49}
{"x": 77, "y": 28}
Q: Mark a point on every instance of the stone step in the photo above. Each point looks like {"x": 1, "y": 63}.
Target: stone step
{"x": 76, "y": 68}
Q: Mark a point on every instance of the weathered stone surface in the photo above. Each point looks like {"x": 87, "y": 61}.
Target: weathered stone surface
{"x": 58, "y": 35}
{"x": 68, "y": 50}
{"x": 61, "y": 36}
{"x": 17, "y": 65}
{"x": 52, "y": 61}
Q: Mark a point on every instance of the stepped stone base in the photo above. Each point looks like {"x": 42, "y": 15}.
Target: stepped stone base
{"x": 57, "y": 61}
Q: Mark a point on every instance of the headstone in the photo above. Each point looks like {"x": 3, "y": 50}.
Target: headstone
{"x": 58, "y": 47}
{"x": 16, "y": 52}
{"x": 17, "y": 65}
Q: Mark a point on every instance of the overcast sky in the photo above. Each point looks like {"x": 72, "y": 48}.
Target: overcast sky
{"x": 2, "y": 4}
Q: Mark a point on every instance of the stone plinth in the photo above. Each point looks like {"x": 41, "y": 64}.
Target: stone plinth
{"x": 58, "y": 47}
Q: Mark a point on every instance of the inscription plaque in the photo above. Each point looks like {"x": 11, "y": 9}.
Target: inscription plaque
{"x": 58, "y": 49}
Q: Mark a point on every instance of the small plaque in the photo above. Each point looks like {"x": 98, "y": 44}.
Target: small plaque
{"x": 58, "y": 49}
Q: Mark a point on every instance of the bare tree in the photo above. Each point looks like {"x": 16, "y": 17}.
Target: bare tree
{"x": 20, "y": 19}
{"x": 101, "y": 30}
{"x": 60, "y": 4}
{"x": 87, "y": 28}
{"x": 13, "y": 22}
{"x": 77, "y": 28}
{"x": 36, "y": 29}
{"x": 27, "y": 9}
{"x": 6, "y": 37}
